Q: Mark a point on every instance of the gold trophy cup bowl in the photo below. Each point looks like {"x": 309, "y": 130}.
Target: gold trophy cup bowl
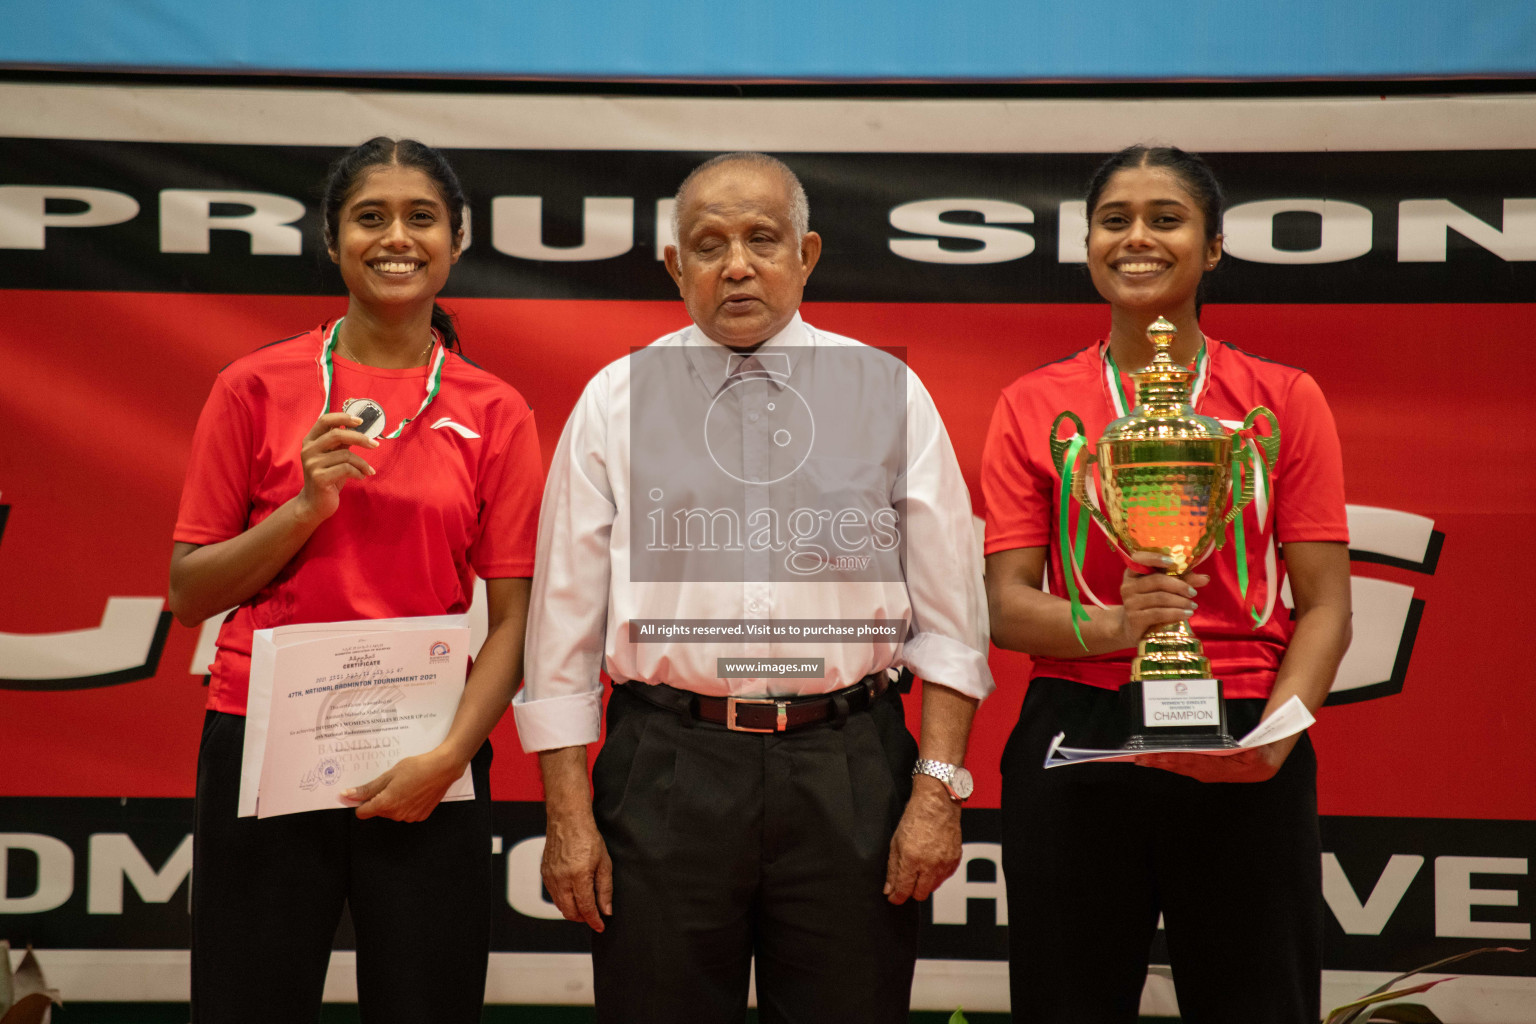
{"x": 1164, "y": 485}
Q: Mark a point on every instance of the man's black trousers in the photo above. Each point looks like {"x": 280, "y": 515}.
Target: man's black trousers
{"x": 729, "y": 846}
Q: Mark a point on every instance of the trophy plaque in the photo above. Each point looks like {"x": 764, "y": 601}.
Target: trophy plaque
{"x": 1164, "y": 484}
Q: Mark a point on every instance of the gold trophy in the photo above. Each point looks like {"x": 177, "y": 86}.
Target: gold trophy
{"x": 1165, "y": 480}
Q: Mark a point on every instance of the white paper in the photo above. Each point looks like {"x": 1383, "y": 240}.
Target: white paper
{"x": 334, "y": 704}
{"x": 1289, "y": 718}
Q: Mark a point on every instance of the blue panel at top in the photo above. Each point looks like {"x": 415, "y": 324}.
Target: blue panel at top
{"x": 1027, "y": 40}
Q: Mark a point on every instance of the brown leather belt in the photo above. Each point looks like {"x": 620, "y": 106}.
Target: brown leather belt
{"x": 765, "y": 714}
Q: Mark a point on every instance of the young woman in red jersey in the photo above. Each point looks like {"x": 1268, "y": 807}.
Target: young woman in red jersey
{"x": 1224, "y": 849}
{"x": 360, "y": 470}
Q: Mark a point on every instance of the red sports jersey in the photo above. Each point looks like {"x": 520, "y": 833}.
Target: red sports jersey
{"x": 1021, "y": 489}
{"x": 455, "y": 495}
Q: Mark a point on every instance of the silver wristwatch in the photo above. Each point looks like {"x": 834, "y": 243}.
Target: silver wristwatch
{"x": 955, "y": 778}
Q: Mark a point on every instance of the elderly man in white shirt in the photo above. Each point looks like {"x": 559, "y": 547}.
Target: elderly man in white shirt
{"x": 752, "y": 525}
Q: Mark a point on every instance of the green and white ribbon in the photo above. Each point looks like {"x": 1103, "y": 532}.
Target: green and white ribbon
{"x": 434, "y": 376}
{"x": 1239, "y": 538}
{"x": 1073, "y": 553}
{"x": 1248, "y": 458}
{"x": 1116, "y": 387}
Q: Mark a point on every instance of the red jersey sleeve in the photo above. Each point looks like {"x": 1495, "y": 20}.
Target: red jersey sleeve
{"x": 1309, "y": 478}
{"x": 1015, "y": 493}
{"x": 216, "y": 497}
{"x": 510, "y": 491}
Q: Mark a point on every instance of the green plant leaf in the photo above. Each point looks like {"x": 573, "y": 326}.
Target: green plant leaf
{"x": 1405, "y": 1013}
{"x": 27, "y": 987}
{"x": 1359, "y": 1011}
{"x": 32, "y": 1009}
{"x": 29, "y": 978}
{"x": 6, "y": 995}
{"x": 1447, "y": 960}
{"x": 955, "y": 1018}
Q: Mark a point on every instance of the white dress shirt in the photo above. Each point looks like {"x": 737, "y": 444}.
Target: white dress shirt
{"x": 591, "y": 579}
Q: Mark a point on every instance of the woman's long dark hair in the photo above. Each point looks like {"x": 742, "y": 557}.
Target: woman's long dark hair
{"x": 348, "y": 172}
{"x": 1192, "y": 171}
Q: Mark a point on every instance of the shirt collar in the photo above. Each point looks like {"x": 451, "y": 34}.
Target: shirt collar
{"x": 714, "y": 362}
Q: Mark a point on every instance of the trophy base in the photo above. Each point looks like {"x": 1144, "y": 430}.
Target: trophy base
{"x": 1175, "y": 713}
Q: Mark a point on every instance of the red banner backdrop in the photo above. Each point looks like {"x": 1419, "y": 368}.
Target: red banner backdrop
{"x": 105, "y": 388}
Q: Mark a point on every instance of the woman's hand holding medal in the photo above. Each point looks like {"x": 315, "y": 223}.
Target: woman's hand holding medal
{"x": 329, "y": 462}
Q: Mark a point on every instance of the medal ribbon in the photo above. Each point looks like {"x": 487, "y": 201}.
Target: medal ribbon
{"x": 434, "y": 376}
{"x": 1073, "y": 548}
{"x": 1116, "y": 387}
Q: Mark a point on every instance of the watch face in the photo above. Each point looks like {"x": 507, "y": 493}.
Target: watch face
{"x": 962, "y": 783}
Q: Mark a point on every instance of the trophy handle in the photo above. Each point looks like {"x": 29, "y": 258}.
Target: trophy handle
{"x": 1268, "y": 446}
{"x": 1268, "y": 443}
{"x": 1059, "y": 446}
{"x": 1080, "y": 492}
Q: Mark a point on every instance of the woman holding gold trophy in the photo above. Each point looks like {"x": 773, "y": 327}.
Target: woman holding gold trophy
{"x": 1225, "y": 849}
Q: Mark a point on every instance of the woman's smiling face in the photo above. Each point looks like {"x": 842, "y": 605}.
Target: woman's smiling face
{"x": 394, "y": 241}
{"x": 1147, "y": 245}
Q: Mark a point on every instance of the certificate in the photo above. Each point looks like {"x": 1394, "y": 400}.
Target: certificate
{"x": 332, "y": 705}
{"x": 1289, "y": 718}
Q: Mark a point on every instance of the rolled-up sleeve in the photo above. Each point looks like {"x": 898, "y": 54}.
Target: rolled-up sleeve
{"x": 560, "y": 704}
{"x": 943, "y": 559}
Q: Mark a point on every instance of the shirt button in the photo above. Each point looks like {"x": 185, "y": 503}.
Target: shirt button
{"x": 754, "y": 417}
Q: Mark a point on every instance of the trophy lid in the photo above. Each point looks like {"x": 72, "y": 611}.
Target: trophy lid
{"x": 1169, "y": 380}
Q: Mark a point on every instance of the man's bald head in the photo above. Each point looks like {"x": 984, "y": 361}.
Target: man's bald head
{"x": 799, "y": 207}
{"x": 740, "y": 261}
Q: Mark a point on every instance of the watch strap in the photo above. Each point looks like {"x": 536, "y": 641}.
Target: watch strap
{"x": 941, "y": 770}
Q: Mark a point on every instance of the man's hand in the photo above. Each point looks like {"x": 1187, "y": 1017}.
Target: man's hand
{"x": 1258, "y": 764}
{"x": 409, "y": 791}
{"x": 577, "y": 870}
{"x": 926, "y": 847}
